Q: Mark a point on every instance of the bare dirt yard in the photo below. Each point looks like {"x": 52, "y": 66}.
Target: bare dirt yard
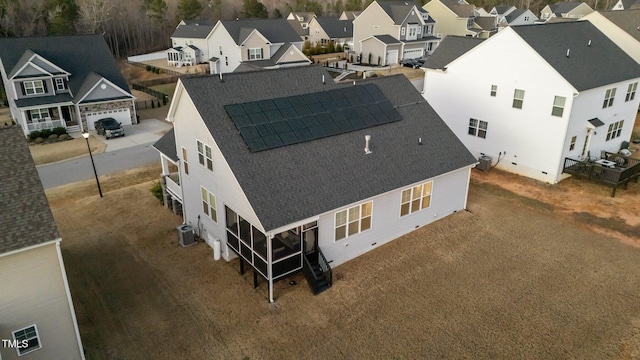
{"x": 529, "y": 271}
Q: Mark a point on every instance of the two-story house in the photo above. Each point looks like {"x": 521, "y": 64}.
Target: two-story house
{"x": 190, "y": 43}
{"x": 47, "y": 86}
{"x": 325, "y": 29}
{"x": 285, "y": 168}
{"x": 626, "y": 5}
{"x": 37, "y": 317}
{"x": 388, "y": 31}
{"x": 508, "y": 15}
{"x": 458, "y": 17}
{"x": 542, "y": 96}
{"x": 565, "y": 10}
{"x": 349, "y": 15}
{"x": 261, "y": 43}
{"x": 621, "y": 27}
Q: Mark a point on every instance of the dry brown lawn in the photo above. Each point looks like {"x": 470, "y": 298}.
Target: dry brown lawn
{"x": 513, "y": 277}
{"x": 48, "y": 153}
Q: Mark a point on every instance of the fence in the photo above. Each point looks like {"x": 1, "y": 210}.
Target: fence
{"x": 165, "y": 71}
{"x": 148, "y": 104}
{"x": 159, "y": 81}
{"x": 146, "y": 57}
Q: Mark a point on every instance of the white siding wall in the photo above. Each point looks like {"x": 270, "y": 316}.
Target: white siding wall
{"x": 32, "y": 291}
{"x": 449, "y": 194}
{"x": 532, "y": 139}
{"x": 372, "y": 21}
{"x": 230, "y": 50}
{"x": 188, "y": 127}
{"x": 201, "y": 44}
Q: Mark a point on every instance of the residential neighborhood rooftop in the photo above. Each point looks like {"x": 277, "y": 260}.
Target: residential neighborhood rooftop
{"x": 451, "y": 48}
{"x": 275, "y": 30}
{"x": 25, "y": 217}
{"x": 336, "y": 28}
{"x": 167, "y": 145}
{"x": 627, "y": 20}
{"x": 290, "y": 183}
{"x": 193, "y": 30}
{"x": 398, "y": 10}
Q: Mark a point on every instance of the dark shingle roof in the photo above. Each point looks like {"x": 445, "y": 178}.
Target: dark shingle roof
{"x": 387, "y": 39}
{"x": 587, "y": 66}
{"x": 295, "y": 182}
{"x": 501, "y": 9}
{"x": 627, "y": 20}
{"x": 514, "y": 15}
{"x": 200, "y": 31}
{"x": 167, "y": 145}
{"x": 25, "y": 217}
{"x": 398, "y": 10}
{"x": 487, "y": 23}
{"x": 630, "y": 4}
{"x": 275, "y": 30}
{"x": 450, "y": 48}
{"x": 90, "y": 54}
{"x": 563, "y": 7}
{"x": 335, "y": 28}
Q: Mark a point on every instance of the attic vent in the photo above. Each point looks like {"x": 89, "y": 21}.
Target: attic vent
{"x": 568, "y": 50}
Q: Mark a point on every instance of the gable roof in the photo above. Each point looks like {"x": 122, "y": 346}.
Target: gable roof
{"x": 627, "y": 20}
{"x": 274, "y": 30}
{"x": 585, "y": 67}
{"x": 193, "y": 30}
{"x": 350, "y": 15}
{"x": 514, "y": 14}
{"x": 275, "y": 59}
{"x": 25, "y": 216}
{"x": 460, "y": 7}
{"x": 630, "y": 4}
{"x": 487, "y": 23}
{"x": 398, "y": 10}
{"x": 501, "y": 9}
{"x": 335, "y": 28}
{"x": 450, "y": 48}
{"x": 295, "y": 182}
{"x": 90, "y": 55}
{"x": 563, "y": 7}
{"x": 167, "y": 145}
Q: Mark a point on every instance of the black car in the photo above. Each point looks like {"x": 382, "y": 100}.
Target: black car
{"x": 109, "y": 127}
{"x": 411, "y": 63}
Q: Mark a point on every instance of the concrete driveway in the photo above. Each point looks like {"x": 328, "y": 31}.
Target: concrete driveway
{"x": 148, "y": 131}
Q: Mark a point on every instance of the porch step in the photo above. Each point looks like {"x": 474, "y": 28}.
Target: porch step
{"x": 73, "y": 128}
{"x": 322, "y": 284}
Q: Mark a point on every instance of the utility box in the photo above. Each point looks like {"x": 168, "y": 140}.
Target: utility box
{"x": 484, "y": 163}
{"x": 186, "y": 235}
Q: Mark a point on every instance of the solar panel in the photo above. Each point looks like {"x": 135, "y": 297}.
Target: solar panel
{"x": 272, "y": 123}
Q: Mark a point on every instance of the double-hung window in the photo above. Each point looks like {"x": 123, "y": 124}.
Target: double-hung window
{"x": 209, "y": 204}
{"x": 255, "y": 54}
{"x": 609, "y": 95}
{"x": 494, "y": 90}
{"x": 558, "y": 106}
{"x": 353, "y": 221}
{"x": 185, "y": 161}
{"x": 631, "y": 92}
{"x": 28, "y": 340}
{"x": 478, "y": 128}
{"x": 518, "y": 98}
{"x": 205, "y": 157}
{"x": 38, "y": 115}
{"x": 59, "y": 84}
{"x": 416, "y": 198}
{"x": 615, "y": 129}
{"x": 33, "y": 87}
{"x": 572, "y": 145}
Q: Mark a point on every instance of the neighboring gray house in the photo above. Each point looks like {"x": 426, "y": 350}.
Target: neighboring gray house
{"x": 324, "y": 29}
{"x": 48, "y": 86}
{"x": 289, "y": 170}
{"x": 190, "y": 43}
{"x": 390, "y": 31}
{"x": 37, "y": 318}
{"x": 565, "y": 10}
{"x": 626, "y": 5}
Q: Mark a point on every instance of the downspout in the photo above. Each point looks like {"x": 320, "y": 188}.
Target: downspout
{"x": 270, "y": 267}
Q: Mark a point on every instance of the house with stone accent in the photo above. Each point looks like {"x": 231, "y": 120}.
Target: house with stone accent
{"x": 387, "y": 32}
{"x": 540, "y": 100}
{"x": 49, "y": 86}
{"x": 287, "y": 170}
{"x": 37, "y": 317}
{"x": 256, "y": 44}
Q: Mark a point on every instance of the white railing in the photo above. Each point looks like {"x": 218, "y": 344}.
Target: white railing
{"x": 38, "y": 126}
{"x": 173, "y": 185}
{"x": 146, "y": 57}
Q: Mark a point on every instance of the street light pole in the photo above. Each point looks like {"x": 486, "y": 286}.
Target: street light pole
{"x": 85, "y": 135}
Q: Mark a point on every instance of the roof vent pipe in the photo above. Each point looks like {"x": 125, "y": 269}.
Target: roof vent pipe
{"x": 322, "y": 79}
{"x": 221, "y": 77}
{"x": 568, "y": 50}
{"x": 589, "y": 43}
{"x": 366, "y": 144}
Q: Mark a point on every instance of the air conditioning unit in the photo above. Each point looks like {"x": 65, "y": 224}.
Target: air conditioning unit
{"x": 484, "y": 163}
{"x": 186, "y": 235}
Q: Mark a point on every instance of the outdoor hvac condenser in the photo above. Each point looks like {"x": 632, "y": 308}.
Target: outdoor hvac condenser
{"x": 186, "y": 235}
{"x": 485, "y": 163}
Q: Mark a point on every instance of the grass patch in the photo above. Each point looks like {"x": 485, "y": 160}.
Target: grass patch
{"x": 611, "y": 223}
{"x": 528, "y": 202}
{"x": 166, "y": 88}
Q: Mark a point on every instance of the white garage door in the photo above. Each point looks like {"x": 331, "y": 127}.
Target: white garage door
{"x": 121, "y": 115}
{"x": 412, "y": 54}
{"x": 392, "y": 57}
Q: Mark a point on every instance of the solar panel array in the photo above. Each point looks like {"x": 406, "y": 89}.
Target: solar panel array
{"x": 272, "y": 123}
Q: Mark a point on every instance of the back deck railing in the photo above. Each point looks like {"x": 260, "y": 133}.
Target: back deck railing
{"x": 619, "y": 174}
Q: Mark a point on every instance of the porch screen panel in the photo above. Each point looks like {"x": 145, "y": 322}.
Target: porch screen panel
{"x": 287, "y": 265}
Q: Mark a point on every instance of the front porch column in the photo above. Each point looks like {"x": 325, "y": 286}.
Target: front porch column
{"x": 165, "y": 165}
{"x": 64, "y": 121}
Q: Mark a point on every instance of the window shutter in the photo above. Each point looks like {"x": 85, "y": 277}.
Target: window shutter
{"x": 44, "y": 85}
{"x": 261, "y": 54}
{"x": 22, "y": 88}
{"x": 248, "y": 54}
{"x": 29, "y": 115}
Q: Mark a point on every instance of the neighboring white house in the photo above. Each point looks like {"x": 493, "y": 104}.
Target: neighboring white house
{"x": 543, "y": 96}
{"x": 37, "y": 318}
{"x": 48, "y": 86}
{"x": 511, "y": 16}
{"x": 622, "y": 27}
{"x": 565, "y": 10}
{"x": 388, "y": 31}
{"x": 288, "y": 169}
{"x": 626, "y": 5}
{"x": 257, "y": 43}
{"x": 190, "y": 43}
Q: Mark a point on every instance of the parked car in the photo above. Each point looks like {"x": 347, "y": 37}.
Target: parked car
{"x": 413, "y": 63}
{"x": 109, "y": 127}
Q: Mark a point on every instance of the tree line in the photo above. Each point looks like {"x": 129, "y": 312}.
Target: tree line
{"x": 138, "y": 26}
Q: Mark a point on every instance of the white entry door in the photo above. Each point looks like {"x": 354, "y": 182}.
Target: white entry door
{"x": 121, "y": 115}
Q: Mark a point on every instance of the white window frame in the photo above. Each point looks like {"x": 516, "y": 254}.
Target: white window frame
{"x": 572, "y": 144}
{"x": 60, "y": 84}
{"x": 209, "y": 206}
{"x": 494, "y": 90}
{"x": 615, "y": 130}
{"x": 255, "y": 54}
{"x": 19, "y": 349}
{"x": 518, "y": 98}
{"x": 631, "y": 92}
{"x": 205, "y": 156}
{"x": 33, "y": 87}
{"x": 609, "y": 96}
{"x": 558, "y": 106}
{"x": 416, "y": 198}
{"x": 478, "y": 128}
{"x": 185, "y": 161}
{"x": 353, "y": 220}
{"x": 38, "y": 115}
